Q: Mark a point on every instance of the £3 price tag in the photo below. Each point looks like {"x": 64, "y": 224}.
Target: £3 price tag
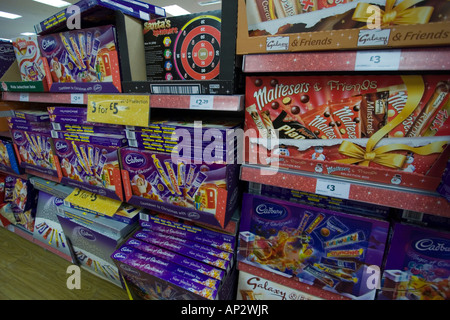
{"x": 333, "y": 188}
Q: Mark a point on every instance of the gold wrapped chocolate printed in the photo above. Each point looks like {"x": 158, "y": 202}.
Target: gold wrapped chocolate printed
{"x": 282, "y": 16}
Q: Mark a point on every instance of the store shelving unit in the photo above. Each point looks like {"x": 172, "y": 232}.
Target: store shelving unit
{"x": 210, "y": 102}
{"x": 379, "y": 194}
{"x": 432, "y": 59}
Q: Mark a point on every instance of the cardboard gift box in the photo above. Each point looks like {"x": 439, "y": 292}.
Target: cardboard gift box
{"x": 297, "y": 25}
{"x": 331, "y": 250}
{"x": 84, "y": 60}
{"x": 28, "y": 72}
{"x": 48, "y": 232}
{"x": 363, "y": 127}
{"x": 184, "y": 187}
{"x": 8, "y": 160}
{"x": 191, "y": 54}
{"x": 90, "y": 166}
{"x": 417, "y": 265}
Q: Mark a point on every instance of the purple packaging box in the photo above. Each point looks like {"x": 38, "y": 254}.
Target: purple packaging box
{"x": 196, "y": 152}
{"x": 107, "y": 140}
{"x": 14, "y": 120}
{"x": 7, "y": 56}
{"x": 86, "y": 129}
{"x": 178, "y": 247}
{"x": 193, "y": 190}
{"x": 157, "y": 283}
{"x": 208, "y": 237}
{"x": 84, "y": 60}
{"x": 28, "y": 127}
{"x": 179, "y": 259}
{"x": 35, "y": 150}
{"x": 225, "y": 255}
{"x": 133, "y": 253}
{"x": 31, "y": 115}
{"x": 80, "y": 120}
{"x": 91, "y": 167}
{"x": 92, "y": 249}
{"x": 417, "y": 266}
{"x": 334, "y": 251}
{"x": 67, "y": 111}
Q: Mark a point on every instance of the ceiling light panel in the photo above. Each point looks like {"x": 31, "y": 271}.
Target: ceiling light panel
{"x": 54, "y": 3}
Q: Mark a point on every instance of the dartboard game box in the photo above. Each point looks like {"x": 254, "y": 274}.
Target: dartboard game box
{"x": 191, "y": 54}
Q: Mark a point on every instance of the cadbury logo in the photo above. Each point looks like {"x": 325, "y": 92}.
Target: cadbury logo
{"x": 6, "y": 49}
{"x": 86, "y": 234}
{"x": 61, "y": 146}
{"x": 119, "y": 256}
{"x": 433, "y": 247}
{"x": 48, "y": 44}
{"x": 135, "y": 160}
{"x": 18, "y": 136}
{"x": 271, "y": 211}
{"x": 58, "y": 201}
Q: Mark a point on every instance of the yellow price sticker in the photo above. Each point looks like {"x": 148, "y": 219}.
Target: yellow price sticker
{"x": 94, "y": 203}
{"x": 119, "y": 109}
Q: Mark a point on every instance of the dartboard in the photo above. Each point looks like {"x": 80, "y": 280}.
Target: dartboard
{"x": 197, "y": 49}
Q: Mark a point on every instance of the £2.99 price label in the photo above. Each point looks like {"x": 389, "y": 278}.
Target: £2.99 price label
{"x": 119, "y": 109}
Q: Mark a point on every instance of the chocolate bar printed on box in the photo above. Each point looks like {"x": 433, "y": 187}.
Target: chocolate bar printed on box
{"x": 320, "y": 247}
{"x": 31, "y": 115}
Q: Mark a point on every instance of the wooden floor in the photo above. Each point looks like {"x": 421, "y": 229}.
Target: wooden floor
{"x": 29, "y": 272}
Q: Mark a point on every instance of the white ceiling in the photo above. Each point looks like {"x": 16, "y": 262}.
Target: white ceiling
{"x": 34, "y": 12}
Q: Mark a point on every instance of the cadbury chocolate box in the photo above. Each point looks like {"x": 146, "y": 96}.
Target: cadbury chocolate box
{"x": 112, "y": 140}
{"x": 31, "y": 115}
{"x": 35, "y": 152}
{"x": 179, "y": 259}
{"x": 79, "y": 120}
{"x": 417, "y": 266}
{"x": 228, "y": 256}
{"x": 147, "y": 276}
{"x": 67, "y": 111}
{"x": 91, "y": 167}
{"x": 86, "y": 128}
{"x": 180, "y": 230}
{"x": 332, "y": 250}
{"x": 133, "y": 253}
{"x": 201, "y": 191}
{"x": 82, "y": 59}
{"x": 180, "y": 248}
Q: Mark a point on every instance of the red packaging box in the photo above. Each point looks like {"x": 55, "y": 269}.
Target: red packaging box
{"x": 361, "y": 126}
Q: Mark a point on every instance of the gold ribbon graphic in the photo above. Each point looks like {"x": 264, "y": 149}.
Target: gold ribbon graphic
{"x": 401, "y": 14}
{"x": 381, "y": 155}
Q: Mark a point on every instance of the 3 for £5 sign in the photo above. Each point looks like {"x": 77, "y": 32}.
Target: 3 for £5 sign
{"x": 119, "y": 109}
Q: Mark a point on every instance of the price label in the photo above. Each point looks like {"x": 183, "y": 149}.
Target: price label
{"x": 119, "y": 109}
{"x": 333, "y": 188}
{"x": 377, "y": 60}
{"x": 92, "y": 202}
{"x": 25, "y": 97}
{"x": 76, "y": 98}
{"x": 202, "y": 102}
